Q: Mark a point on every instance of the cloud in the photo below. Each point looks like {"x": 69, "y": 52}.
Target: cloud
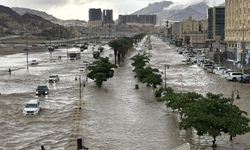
{"x": 78, "y": 9}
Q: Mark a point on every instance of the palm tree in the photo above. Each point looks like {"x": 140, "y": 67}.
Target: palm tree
{"x": 115, "y": 44}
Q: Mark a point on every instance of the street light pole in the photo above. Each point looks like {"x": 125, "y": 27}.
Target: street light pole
{"x": 243, "y": 47}
{"x": 165, "y": 76}
{"x": 26, "y": 48}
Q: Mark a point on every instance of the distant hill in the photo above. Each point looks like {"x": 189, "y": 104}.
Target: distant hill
{"x": 51, "y": 18}
{"x": 168, "y": 10}
{"x": 13, "y": 23}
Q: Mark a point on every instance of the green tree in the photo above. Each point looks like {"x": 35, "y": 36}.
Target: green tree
{"x": 153, "y": 79}
{"x": 127, "y": 43}
{"x": 115, "y": 44}
{"x": 101, "y": 71}
{"x": 139, "y": 61}
{"x": 213, "y": 115}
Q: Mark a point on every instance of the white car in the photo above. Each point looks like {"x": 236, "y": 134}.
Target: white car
{"x": 82, "y": 68}
{"x": 53, "y": 78}
{"x": 32, "y": 108}
{"x": 34, "y": 62}
{"x": 217, "y": 70}
{"x": 186, "y": 61}
{"x": 233, "y": 76}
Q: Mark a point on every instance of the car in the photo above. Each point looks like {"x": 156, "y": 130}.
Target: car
{"x": 32, "y": 108}
{"x": 210, "y": 69}
{"x": 42, "y": 90}
{"x": 53, "y": 78}
{"x": 82, "y": 68}
{"x": 205, "y": 66}
{"x": 34, "y": 62}
{"x": 233, "y": 76}
{"x": 245, "y": 78}
{"x": 187, "y": 61}
{"x": 217, "y": 70}
{"x": 224, "y": 73}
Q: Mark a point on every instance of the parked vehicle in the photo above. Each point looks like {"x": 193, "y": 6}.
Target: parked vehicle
{"x": 224, "y": 73}
{"x": 244, "y": 79}
{"x": 82, "y": 68}
{"x": 42, "y": 90}
{"x": 187, "y": 61}
{"x": 32, "y": 107}
{"x": 34, "y": 62}
{"x": 53, "y": 78}
{"x": 205, "y": 66}
{"x": 233, "y": 76}
{"x": 217, "y": 69}
{"x": 75, "y": 55}
{"x": 210, "y": 69}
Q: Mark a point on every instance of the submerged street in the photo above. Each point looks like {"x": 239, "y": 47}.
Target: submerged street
{"x": 114, "y": 117}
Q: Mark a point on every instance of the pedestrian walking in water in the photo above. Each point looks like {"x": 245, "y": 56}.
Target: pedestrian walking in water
{"x": 9, "y": 71}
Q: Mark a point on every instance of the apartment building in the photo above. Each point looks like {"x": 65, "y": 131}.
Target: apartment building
{"x": 237, "y": 35}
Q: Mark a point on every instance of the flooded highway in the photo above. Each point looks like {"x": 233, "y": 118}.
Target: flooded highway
{"x": 114, "y": 117}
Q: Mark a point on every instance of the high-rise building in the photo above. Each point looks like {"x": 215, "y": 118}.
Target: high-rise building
{"x": 95, "y": 14}
{"x": 216, "y": 23}
{"x": 141, "y": 19}
{"x": 107, "y": 16}
{"x": 95, "y": 17}
{"x": 237, "y": 34}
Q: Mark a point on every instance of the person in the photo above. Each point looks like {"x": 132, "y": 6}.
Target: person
{"x": 9, "y": 71}
{"x": 241, "y": 78}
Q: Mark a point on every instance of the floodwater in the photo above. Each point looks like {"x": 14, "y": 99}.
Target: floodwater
{"x": 114, "y": 117}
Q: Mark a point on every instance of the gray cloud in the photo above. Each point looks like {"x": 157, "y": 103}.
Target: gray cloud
{"x": 78, "y": 9}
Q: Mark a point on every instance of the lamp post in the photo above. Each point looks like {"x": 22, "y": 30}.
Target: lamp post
{"x": 27, "y": 57}
{"x": 51, "y": 48}
{"x": 243, "y": 47}
{"x": 165, "y": 76}
{"x": 26, "y": 48}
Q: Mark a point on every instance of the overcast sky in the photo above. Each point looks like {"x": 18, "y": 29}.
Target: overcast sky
{"x": 78, "y": 9}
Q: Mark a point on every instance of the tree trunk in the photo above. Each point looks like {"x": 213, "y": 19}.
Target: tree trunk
{"x": 214, "y": 145}
{"x": 115, "y": 53}
{"x": 119, "y": 58}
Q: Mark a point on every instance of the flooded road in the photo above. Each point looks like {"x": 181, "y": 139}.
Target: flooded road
{"x": 114, "y": 117}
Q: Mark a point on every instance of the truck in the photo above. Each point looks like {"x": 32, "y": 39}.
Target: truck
{"x": 75, "y": 55}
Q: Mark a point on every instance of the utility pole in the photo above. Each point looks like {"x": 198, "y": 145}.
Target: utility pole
{"x": 26, "y": 48}
{"x": 243, "y": 47}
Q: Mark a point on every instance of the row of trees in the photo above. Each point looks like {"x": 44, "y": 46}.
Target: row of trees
{"x": 103, "y": 69}
{"x": 212, "y": 114}
{"x": 122, "y": 45}
{"x": 144, "y": 74}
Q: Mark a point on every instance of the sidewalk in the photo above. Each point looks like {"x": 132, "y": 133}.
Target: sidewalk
{"x": 229, "y": 64}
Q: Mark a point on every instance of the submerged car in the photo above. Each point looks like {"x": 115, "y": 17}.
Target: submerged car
{"x": 34, "y": 62}
{"x": 42, "y": 90}
{"x": 53, "y": 78}
{"x": 82, "y": 68}
{"x": 32, "y": 107}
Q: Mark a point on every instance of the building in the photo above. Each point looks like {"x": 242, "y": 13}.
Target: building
{"x": 142, "y": 19}
{"x": 237, "y": 35}
{"x": 95, "y": 17}
{"x": 215, "y": 29}
{"x": 191, "y": 32}
{"x": 107, "y": 18}
{"x": 95, "y": 14}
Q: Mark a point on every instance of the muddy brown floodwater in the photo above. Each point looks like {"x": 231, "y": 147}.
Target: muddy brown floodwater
{"x": 114, "y": 117}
